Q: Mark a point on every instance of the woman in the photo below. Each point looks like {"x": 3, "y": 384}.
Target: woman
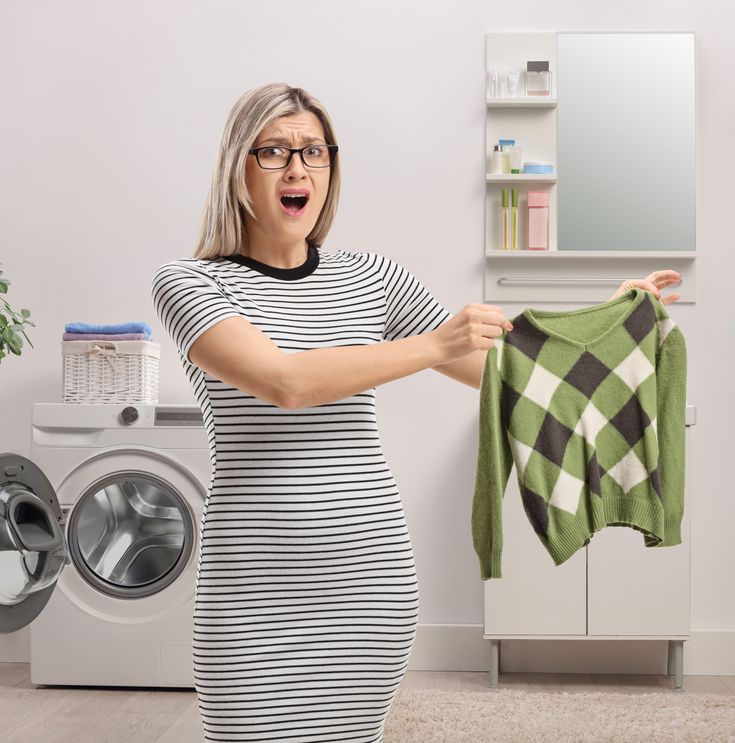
{"x": 306, "y": 597}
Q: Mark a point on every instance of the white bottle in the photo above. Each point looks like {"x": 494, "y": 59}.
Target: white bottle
{"x": 497, "y": 161}
{"x": 493, "y": 88}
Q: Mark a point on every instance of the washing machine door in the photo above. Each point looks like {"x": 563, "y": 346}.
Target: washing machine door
{"x": 33, "y": 548}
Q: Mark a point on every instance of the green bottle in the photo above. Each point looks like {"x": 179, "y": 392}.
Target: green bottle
{"x": 514, "y": 219}
{"x": 504, "y": 218}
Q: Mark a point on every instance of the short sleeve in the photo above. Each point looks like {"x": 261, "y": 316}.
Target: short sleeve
{"x": 188, "y": 301}
{"x": 410, "y": 308}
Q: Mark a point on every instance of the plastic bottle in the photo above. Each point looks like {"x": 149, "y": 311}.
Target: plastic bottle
{"x": 504, "y": 219}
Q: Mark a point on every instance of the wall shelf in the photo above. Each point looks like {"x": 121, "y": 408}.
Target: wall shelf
{"x": 612, "y": 254}
{"x": 522, "y": 102}
{"x": 520, "y": 177}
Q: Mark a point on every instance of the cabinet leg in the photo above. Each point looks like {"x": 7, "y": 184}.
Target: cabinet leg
{"x": 494, "y": 662}
{"x": 678, "y": 662}
{"x": 670, "y": 659}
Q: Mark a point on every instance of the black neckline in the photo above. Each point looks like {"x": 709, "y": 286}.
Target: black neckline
{"x": 288, "y": 274}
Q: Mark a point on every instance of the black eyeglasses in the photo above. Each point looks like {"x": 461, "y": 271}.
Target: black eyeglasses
{"x": 275, "y": 157}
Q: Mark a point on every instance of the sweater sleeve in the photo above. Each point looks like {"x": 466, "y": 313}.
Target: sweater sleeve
{"x": 188, "y": 301}
{"x": 411, "y": 309}
{"x": 494, "y": 465}
{"x": 671, "y": 376}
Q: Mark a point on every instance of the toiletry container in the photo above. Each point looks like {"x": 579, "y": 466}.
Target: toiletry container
{"x": 538, "y": 78}
{"x": 504, "y": 220}
{"x": 505, "y": 144}
{"x": 493, "y": 83}
{"x": 513, "y": 77}
{"x": 538, "y": 220}
{"x": 539, "y": 167}
{"x": 496, "y": 164}
{"x": 514, "y": 159}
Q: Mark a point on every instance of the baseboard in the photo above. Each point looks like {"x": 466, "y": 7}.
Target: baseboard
{"x": 447, "y": 647}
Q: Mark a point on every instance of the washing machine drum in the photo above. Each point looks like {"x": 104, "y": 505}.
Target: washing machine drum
{"x": 33, "y": 548}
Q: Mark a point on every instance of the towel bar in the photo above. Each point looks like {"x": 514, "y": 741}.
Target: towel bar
{"x": 559, "y": 280}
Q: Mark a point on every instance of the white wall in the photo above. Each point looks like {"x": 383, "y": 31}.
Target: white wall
{"x": 112, "y": 115}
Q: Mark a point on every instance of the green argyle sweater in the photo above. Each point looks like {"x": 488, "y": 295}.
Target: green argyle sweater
{"x": 589, "y": 405}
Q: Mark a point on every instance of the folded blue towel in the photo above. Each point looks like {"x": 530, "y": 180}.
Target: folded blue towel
{"x": 123, "y": 327}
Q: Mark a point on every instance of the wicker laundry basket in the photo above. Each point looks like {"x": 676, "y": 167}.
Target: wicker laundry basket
{"x": 102, "y": 371}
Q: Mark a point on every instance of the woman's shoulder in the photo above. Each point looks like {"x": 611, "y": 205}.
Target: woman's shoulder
{"x": 186, "y": 270}
{"x": 364, "y": 258}
{"x": 191, "y": 263}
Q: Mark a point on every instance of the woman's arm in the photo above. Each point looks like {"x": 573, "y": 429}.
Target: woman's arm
{"x": 467, "y": 369}
{"x": 323, "y": 375}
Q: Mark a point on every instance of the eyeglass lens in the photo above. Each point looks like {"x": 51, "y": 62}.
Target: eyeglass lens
{"x": 317, "y": 156}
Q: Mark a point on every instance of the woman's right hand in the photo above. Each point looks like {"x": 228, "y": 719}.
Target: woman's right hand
{"x": 475, "y": 327}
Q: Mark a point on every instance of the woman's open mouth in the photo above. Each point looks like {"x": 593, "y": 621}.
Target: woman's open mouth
{"x": 294, "y": 205}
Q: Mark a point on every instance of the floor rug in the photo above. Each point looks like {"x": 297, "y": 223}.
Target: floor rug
{"x": 517, "y": 716}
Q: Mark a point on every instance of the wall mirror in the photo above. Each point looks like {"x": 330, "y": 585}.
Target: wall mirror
{"x": 625, "y": 141}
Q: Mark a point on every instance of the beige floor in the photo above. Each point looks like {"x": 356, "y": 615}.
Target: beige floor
{"x": 101, "y": 715}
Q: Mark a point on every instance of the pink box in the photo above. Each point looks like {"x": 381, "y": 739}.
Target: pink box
{"x": 538, "y": 198}
{"x": 538, "y": 220}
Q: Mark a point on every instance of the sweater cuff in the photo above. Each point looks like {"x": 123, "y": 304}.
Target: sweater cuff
{"x": 672, "y": 530}
{"x": 490, "y": 563}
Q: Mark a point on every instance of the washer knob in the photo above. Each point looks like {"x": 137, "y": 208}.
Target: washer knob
{"x": 129, "y": 415}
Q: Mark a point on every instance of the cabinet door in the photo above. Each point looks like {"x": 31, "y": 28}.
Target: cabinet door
{"x": 639, "y": 590}
{"x": 534, "y": 597}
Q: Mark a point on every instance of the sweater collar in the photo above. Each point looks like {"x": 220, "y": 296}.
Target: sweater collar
{"x": 633, "y": 298}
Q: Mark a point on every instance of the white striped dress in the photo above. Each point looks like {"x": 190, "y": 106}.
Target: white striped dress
{"x": 306, "y": 594}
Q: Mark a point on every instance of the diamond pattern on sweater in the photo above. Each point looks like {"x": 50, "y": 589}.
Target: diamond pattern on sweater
{"x": 542, "y": 386}
{"x": 634, "y": 369}
{"x": 535, "y": 507}
{"x": 521, "y": 454}
{"x": 526, "y": 337}
{"x": 628, "y": 471}
{"x": 552, "y": 439}
{"x": 631, "y": 420}
{"x": 590, "y": 423}
{"x": 594, "y": 473}
{"x": 641, "y": 321}
{"x": 587, "y": 374}
{"x": 567, "y": 491}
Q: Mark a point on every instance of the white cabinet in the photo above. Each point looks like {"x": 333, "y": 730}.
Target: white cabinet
{"x": 614, "y": 588}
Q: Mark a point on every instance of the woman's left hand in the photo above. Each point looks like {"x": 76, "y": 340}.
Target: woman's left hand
{"x": 654, "y": 282}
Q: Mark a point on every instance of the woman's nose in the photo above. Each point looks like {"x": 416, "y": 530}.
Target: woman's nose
{"x": 296, "y": 163}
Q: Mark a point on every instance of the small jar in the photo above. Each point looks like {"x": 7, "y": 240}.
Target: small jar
{"x": 538, "y": 78}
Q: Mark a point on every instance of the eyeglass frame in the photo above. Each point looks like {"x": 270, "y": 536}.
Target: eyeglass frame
{"x": 331, "y": 148}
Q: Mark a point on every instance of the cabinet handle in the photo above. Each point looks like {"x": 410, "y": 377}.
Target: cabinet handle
{"x": 558, "y": 280}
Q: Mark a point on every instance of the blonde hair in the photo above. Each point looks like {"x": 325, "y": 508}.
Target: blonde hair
{"x": 222, "y": 231}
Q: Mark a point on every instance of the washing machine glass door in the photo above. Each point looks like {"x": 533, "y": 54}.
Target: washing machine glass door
{"x": 130, "y": 533}
{"x": 33, "y": 547}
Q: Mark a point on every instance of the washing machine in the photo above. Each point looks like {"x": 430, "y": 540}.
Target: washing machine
{"x": 99, "y": 542}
